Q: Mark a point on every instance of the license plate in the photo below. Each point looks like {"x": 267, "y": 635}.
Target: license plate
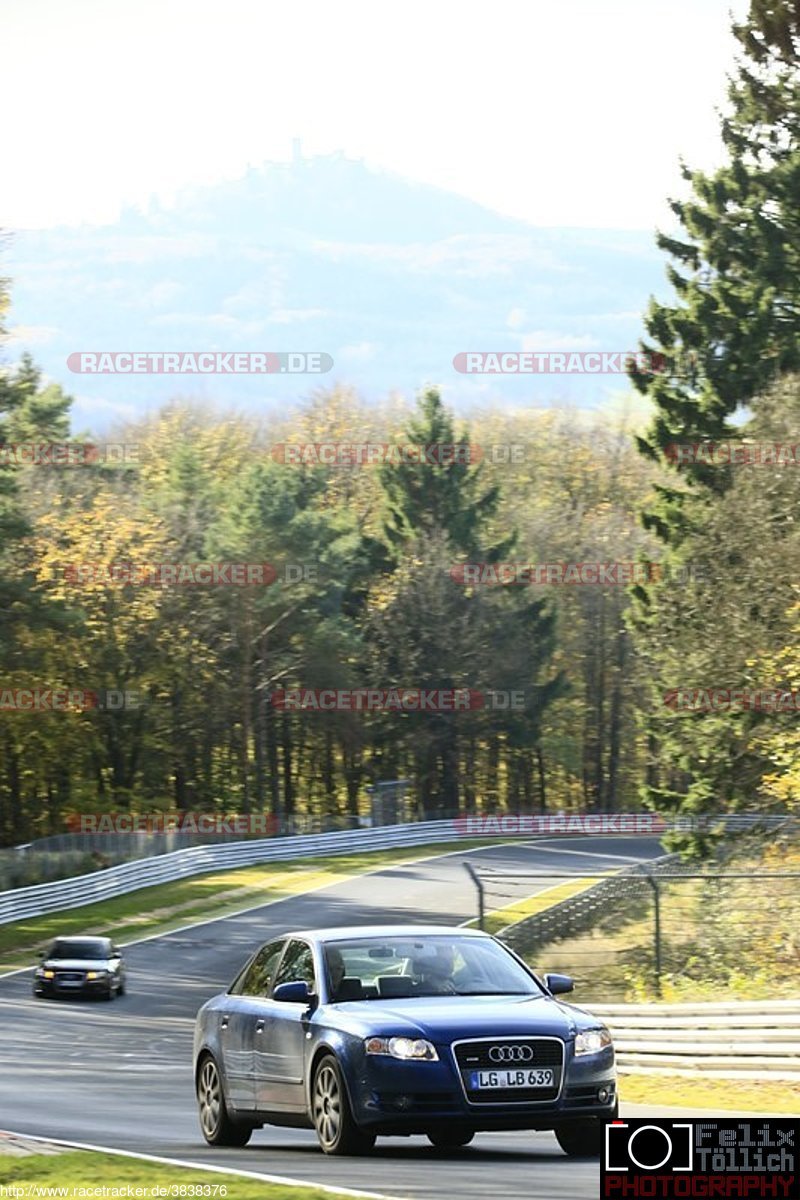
{"x": 520, "y": 1077}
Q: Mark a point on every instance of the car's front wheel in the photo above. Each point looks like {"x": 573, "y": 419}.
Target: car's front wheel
{"x": 337, "y": 1131}
{"x": 450, "y": 1139}
{"x": 215, "y": 1121}
{"x": 583, "y": 1139}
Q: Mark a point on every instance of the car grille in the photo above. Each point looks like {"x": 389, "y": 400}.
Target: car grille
{"x": 544, "y": 1052}
{"x": 69, "y": 976}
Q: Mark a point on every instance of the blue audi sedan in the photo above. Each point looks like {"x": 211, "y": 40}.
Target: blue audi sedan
{"x": 362, "y": 1032}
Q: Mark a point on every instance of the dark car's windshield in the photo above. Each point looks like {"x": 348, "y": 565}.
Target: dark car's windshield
{"x": 62, "y": 949}
{"x": 380, "y": 968}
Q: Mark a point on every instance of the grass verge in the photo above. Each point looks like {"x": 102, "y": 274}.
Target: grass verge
{"x": 74, "y": 1170}
{"x": 731, "y": 1095}
{"x": 159, "y": 909}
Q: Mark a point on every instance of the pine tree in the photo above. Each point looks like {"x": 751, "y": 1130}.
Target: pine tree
{"x": 427, "y": 497}
{"x": 725, "y": 346}
{"x": 436, "y": 634}
{"x": 734, "y": 326}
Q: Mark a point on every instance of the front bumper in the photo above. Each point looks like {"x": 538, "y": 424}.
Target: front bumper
{"x": 391, "y": 1096}
{"x": 85, "y": 987}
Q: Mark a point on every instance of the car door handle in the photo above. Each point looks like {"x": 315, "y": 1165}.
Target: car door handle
{"x": 260, "y": 1026}
{"x": 224, "y": 1022}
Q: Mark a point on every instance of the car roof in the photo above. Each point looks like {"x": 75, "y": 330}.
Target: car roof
{"x": 346, "y": 933}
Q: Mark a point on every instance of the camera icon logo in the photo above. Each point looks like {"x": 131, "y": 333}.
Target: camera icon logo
{"x": 641, "y": 1146}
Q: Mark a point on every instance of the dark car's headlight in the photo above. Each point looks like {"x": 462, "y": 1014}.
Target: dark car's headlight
{"x": 591, "y": 1041}
{"x": 406, "y": 1048}
{"x": 45, "y": 973}
{"x": 96, "y": 974}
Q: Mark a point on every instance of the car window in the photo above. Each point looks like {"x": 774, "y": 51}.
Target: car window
{"x": 394, "y": 966}
{"x": 297, "y": 965}
{"x": 256, "y": 980}
{"x": 86, "y": 950}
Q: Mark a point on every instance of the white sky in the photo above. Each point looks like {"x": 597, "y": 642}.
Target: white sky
{"x": 562, "y": 112}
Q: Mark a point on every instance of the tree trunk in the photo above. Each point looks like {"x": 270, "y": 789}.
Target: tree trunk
{"x": 616, "y": 716}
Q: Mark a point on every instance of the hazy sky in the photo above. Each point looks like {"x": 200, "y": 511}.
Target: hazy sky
{"x": 570, "y": 112}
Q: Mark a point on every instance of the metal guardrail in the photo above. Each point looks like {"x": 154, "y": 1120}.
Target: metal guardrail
{"x": 142, "y": 843}
{"x": 38, "y": 899}
{"x": 63, "y": 855}
{"x": 732, "y": 1040}
{"x": 181, "y": 864}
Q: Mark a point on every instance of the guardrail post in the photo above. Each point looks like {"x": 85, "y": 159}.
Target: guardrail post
{"x": 651, "y": 879}
{"x": 473, "y": 874}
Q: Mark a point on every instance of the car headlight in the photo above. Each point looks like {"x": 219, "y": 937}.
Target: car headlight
{"x": 402, "y": 1047}
{"x": 96, "y": 974}
{"x": 592, "y": 1041}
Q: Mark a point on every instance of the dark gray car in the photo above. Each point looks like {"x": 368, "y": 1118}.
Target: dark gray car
{"x": 81, "y": 966}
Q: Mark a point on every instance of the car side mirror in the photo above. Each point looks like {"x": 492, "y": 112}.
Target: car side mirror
{"x": 296, "y": 992}
{"x": 559, "y": 985}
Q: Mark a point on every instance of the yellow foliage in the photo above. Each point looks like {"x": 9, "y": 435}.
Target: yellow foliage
{"x": 781, "y": 743}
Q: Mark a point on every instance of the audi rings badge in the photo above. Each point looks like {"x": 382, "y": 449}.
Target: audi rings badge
{"x": 511, "y": 1054}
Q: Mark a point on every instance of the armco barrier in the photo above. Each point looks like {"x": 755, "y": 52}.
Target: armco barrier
{"x": 734, "y": 1040}
{"x": 166, "y": 868}
{"x": 21, "y": 903}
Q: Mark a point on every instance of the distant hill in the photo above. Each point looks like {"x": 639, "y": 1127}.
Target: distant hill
{"x": 390, "y": 277}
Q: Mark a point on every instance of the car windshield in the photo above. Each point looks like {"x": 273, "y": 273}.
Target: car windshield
{"x": 378, "y": 968}
{"x": 62, "y": 949}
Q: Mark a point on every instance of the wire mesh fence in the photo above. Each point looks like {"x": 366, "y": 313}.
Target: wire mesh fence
{"x": 669, "y": 930}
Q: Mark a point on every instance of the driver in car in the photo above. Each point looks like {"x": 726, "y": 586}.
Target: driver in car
{"x": 336, "y": 969}
{"x": 436, "y": 973}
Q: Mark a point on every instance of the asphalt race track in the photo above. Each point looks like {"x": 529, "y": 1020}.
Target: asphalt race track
{"x": 120, "y": 1074}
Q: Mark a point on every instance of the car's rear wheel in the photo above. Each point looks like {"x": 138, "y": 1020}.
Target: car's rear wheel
{"x": 215, "y": 1121}
{"x": 337, "y": 1131}
{"x": 450, "y": 1139}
